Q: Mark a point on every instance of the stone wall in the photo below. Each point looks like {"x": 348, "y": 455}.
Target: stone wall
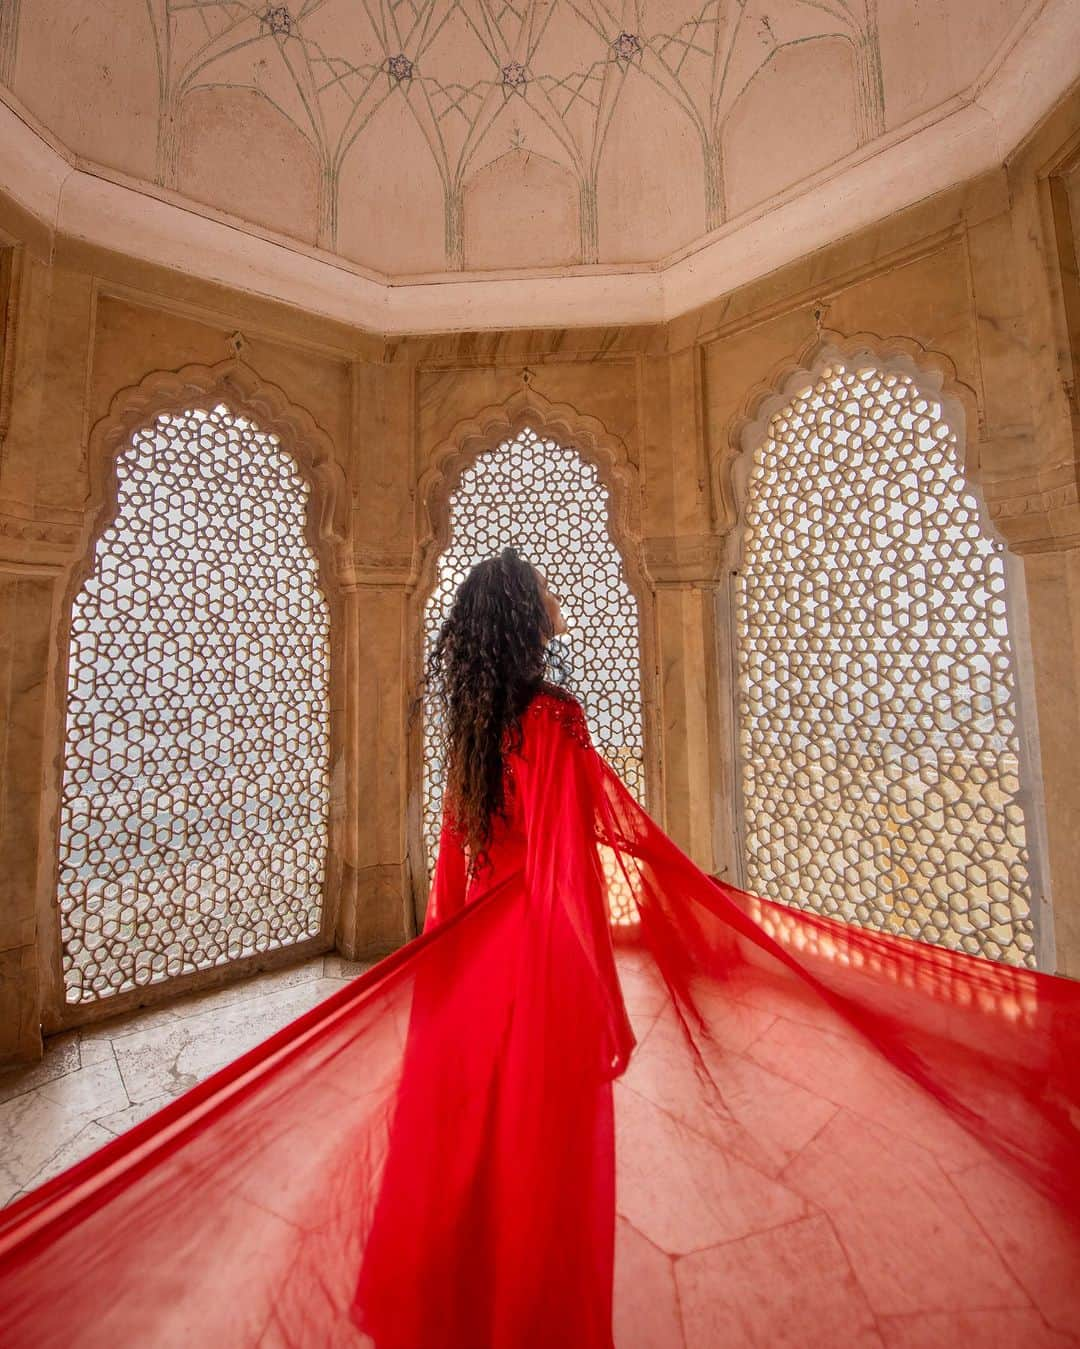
{"x": 979, "y": 283}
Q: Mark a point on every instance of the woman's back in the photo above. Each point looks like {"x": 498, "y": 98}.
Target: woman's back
{"x": 549, "y": 711}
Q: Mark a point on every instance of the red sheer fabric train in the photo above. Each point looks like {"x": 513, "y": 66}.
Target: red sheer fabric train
{"x": 428, "y": 1159}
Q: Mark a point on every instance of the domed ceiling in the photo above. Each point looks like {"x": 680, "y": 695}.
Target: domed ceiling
{"x": 425, "y": 139}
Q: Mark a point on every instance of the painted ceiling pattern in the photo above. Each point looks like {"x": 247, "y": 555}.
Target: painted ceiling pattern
{"x": 560, "y": 132}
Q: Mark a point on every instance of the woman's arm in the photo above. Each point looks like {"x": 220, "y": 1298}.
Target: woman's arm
{"x": 450, "y": 881}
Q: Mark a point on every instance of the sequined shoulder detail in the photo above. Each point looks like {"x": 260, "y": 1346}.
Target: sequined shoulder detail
{"x": 567, "y": 711}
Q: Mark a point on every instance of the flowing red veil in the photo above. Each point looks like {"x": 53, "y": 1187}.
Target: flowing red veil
{"x": 428, "y": 1157}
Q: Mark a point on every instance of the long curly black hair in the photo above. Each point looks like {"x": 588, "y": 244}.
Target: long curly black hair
{"x": 492, "y": 654}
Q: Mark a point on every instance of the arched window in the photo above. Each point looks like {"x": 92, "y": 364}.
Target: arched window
{"x": 548, "y": 502}
{"x": 881, "y": 774}
{"x": 195, "y": 791}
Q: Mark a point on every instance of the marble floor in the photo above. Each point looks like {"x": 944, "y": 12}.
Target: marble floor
{"x": 95, "y": 1082}
{"x": 825, "y": 1202}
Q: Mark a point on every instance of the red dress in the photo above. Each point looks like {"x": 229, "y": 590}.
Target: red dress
{"x": 430, "y": 1154}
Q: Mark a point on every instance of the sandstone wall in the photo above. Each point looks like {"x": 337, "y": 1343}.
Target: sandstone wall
{"x": 979, "y": 283}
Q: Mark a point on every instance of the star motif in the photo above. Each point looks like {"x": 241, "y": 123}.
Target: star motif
{"x": 626, "y": 46}
{"x": 400, "y": 68}
{"x": 278, "y": 19}
{"x": 514, "y": 78}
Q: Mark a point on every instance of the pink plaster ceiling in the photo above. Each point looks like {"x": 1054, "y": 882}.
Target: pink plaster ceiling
{"x": 411, "y": 165}
{"x": 427, "y": 136}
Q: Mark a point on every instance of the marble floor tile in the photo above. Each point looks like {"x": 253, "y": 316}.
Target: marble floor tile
{"x": 909, "y": 1237}
{"x": 93, "y": 1090}
{"x": 171, "y": 1058}
{"x": 86, "y": 1141}
{"x": 1031, "y": 1236}
{"x": 99, "y": 1080}
{"x": 987, "y": 1330}
{"x": 733, "y": 1023}
{"x": 787, "y": 1288}
{"x": 643, "y": 992}
{"x": 61, "y": 1056}
{"x": 762, "y": 1118}
{"x": 121, "y": 1120}
{"x": 682, "y": 1192}
{"x": 848, "y": 1072}
{"x": 140, "y": 1019}
{"x": 33, "y": 1130}
{"x": 646, "y": 1300}
{"x": 257, "y": 986}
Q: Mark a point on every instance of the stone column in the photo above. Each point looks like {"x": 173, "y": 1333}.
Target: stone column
{"x": 26, "y": 613}
{"x": 682, "y": 554}
{"x": 375, "y": 913}
{"x": 1029, "y": 460}
{"x": 693, "y": 722}
{"x": 36, "y": 540}
{"x": 1053, "y": 601}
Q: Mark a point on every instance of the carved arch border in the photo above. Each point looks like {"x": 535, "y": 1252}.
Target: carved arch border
{"x": 560, "y": 422}
{"x": 932, "y": 370}
{"x": 618, "y": 473}
{"x": 934, "y": 373}
{"x": 237, "y": 384}
{"x": 271, "y": 411}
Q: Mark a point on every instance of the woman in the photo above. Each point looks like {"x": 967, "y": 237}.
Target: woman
{"x": 525, "y": 1170}
{"x": 428, "y": 1160}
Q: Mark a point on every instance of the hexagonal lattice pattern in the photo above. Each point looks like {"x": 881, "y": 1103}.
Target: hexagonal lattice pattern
{"x": 193, "y": 821}
{"x": 547, "y": 502}
{"x": 879, "y": 749}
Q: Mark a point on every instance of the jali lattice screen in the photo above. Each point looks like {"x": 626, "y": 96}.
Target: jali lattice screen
{"x": 546, "y": 501}
{"x": 880, "y": 757}
{"x": 193, "y": 823}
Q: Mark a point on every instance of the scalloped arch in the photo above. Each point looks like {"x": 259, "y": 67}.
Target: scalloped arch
{"x": 933, "y": 370}
{"x": 241, "y": 388}
{"x": 560, "y": 422}
{"x": 246, "y": 394}
{"x": 934, "y": 375}
{"x": 466, "y": 442}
